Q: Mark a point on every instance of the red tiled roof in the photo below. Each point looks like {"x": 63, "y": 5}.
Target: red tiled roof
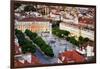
{"x": 34, "y": 19}
{"x": 86, "y": 21}
{"x": 72, "y": 56}
{"x": 34, "y": 61}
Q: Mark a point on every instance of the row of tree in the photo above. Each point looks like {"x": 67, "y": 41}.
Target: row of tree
{"x": 60, "y": 33}
{"x": 40, "y": 42}
{"x": 26, "y": 45}
{"x": 72, "y": 39}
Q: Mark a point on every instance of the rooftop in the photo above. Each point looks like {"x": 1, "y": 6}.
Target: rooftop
{"x": 86, "y": 21}
{"x": 34, "y": 19}
{"x": 71, "y": 57}
{"x": 23, "y": 63}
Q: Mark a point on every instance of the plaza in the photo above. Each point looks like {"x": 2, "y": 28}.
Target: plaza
{"x": 52, "y": 34}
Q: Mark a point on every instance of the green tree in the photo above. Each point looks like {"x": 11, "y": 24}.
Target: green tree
{"x": 40, "y": 42}
{"x": 74, "y": 41}
{"x": 28, "y": 48}
{"x": 29, "y": 8}
{"x": 17, "y": 5}
{"x": 25, "y": 44}
{"x": 86, "y": 40}
{"x": 32, "y": 35}
{"x": 60, "y": 33}
{"x": 81, "y": 40}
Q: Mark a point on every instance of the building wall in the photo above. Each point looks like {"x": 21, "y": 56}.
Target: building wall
{"x": 33, "y": 26}
{"x": 76, "y": 31}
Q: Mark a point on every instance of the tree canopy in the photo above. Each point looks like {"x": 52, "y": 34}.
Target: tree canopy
{"x": 40, "y": 43}
{"x": 26, "y": 45}
{"x": 29, "y": 8}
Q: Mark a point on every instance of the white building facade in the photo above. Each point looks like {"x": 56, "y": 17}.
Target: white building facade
{"x": 34, "y": 25}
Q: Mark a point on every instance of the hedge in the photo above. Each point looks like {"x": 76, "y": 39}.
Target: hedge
{"x": 40, "y": 42}
{"x": 60, "y": 33}
{"x": 56, "y": 31}
{"x": 25, "y": 44}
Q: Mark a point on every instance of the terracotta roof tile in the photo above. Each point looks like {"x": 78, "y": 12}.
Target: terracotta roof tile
{"x": 34, "y": 61}
{"x": 86, "y": 21}
{"x": 71, "y": 56}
